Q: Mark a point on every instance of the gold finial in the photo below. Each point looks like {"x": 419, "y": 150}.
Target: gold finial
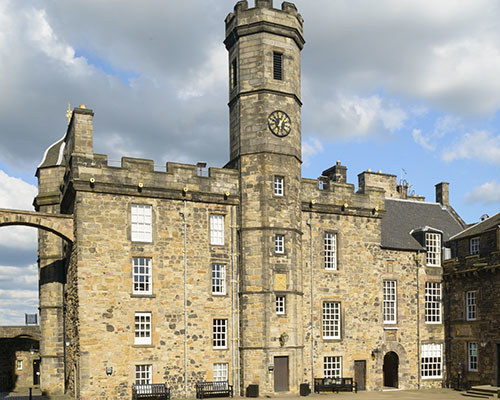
{"x": 68, "y": 113}
{"x": 83, "y": 106}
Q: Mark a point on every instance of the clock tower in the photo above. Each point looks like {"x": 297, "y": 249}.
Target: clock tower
{"x": 264, "y": 45}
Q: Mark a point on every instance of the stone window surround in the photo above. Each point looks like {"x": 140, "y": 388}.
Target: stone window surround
{"x": 219, "y": 333}
{"x": 278, "y": 56}
{"x": 143, "y": 374}
{"x": 234, "y": 73}
{"x": 148, "y": 276}
{"x": 218, "y": 279}
{"x": 145, "y": 321}
{"x": 280, "y": 304}
{"x": 141, "y": 231}
{"x": 216, "y": 235}
{"x": 335, "y": 251}
{"x": 279, "y": 186}
{"x": 429, "y": 351}
{"x": 474, "y": 245}
{"x": 279, "y": 244}
{"x": 431, "y": 302}
{"x": 332, "y": 366}
{"x": 471, "y": 305}
{"x": 337, "y": 316}
{"x": 472, "y": 356}
{"x": 390, "y": 303}
{"x": 221, "y": 372}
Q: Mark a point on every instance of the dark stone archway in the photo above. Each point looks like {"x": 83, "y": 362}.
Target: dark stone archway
{"x": 52, "y": 257}
{"x": 391, "y": 369}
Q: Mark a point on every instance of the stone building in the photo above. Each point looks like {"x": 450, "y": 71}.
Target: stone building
{"x": 251, "y": 273}
{"x": 19, "y": 357}
{"x": 472, "y": 279}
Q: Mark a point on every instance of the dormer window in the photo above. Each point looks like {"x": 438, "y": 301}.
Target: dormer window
{"x": 475, "y": 244}
{"x": 433, "y": 245}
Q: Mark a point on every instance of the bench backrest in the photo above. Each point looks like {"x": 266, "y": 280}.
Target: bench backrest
{"x": 216, "y": 385}
{"x": 154, "y": 388}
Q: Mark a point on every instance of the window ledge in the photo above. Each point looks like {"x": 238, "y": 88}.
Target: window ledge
{"x": 390, "y": 328}
{"x": 430, "y": 378}
{"x": 142, "y": 296}
{"x": 143, "y": 346}
{"x": 219, "y": 294}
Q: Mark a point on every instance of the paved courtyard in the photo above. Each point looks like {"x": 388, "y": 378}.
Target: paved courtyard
{"x": 438, "y": 394}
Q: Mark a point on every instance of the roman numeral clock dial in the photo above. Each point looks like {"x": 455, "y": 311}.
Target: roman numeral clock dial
{"x": 279, "y": 123}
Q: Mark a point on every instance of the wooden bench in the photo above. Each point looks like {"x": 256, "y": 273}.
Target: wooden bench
{"x": 154, "y": 391}
{"x": 335, "y": 385}
{"x": 215, "y": 389}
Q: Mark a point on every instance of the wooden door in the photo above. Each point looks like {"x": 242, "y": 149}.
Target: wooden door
{"x": 36, "y": 372}
{"x": 360, "y": 374}
{"x": 281, "y": 374}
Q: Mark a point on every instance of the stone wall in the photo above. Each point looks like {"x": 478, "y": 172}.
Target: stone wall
{"x": 478, "y": 273}
{"x": 19, "y": 348}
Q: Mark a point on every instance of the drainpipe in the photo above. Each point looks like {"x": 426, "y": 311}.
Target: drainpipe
{"x": 418, "y": 317}
{"x": 185, "y": 213}
{"x": 238, "y": 356}
{"x": 231, "y": 286}
{"x": 312, "y": 295}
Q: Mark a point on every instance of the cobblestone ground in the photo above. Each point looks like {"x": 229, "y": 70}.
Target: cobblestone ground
{"x": 23, "y": 394}
{"x": 438, "y": 394}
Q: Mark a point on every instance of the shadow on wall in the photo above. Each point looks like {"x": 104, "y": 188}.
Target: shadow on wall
{"x": 19, "y": 363}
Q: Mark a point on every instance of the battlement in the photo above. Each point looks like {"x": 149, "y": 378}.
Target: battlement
{"x": 340, "y": 197}
{"x": 138, "y": 177}
{"x": 264, "y": 17}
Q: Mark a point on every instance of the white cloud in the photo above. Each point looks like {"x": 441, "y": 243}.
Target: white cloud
{"x": 488, "y": 193}
{"x": 17, "y": 194}
{"x": 480, "y": 145}
{"x": 310, "y": 147}
{"x": 422, "y": 140}
{"x": 351, "y": 116}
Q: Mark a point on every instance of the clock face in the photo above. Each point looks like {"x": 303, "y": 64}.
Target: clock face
{"x": 279, "y": 123}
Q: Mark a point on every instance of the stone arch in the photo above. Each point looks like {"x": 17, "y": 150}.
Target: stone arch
{"x": 59, "y": 224}
{"x": 391, "y": 369}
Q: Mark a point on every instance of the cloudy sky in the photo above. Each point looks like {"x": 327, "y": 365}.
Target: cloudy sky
{"x": 407, "y": 87}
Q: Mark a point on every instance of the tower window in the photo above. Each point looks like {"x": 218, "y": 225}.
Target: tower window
{"x": 278, "y": 185}
{"x": 279, "y": 244}
{"x": 280, "y": 305}
{"x": 278, "y": 66}
{"x": 234, "y": 74}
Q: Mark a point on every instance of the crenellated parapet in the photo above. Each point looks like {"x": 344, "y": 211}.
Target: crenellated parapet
{"x": 244, "y": 21}
{"x": 340, "y": 198}
{"x": 138, "y": 177}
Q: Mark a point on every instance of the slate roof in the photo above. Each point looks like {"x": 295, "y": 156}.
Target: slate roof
{"x": 404, "y": 216}
{"x": 53, "y": 154}
{"x": 480, "y": 227}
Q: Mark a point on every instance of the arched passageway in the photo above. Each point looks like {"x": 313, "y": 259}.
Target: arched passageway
{"x": 391, "y": 369}
{"x": 52, "y": 259}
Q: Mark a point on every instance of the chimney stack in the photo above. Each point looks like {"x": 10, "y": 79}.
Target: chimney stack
{"x": 442, "y": 193}
{"x": 337, "y": 173}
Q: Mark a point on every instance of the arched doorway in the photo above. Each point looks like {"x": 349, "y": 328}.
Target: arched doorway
{"x": 391, "y": 367}
{"x": 49, "y": 369}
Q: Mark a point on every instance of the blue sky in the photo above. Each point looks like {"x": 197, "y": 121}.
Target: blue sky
{"x": 387, "y": 85}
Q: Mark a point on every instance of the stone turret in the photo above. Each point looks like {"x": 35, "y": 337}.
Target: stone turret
{"x": 264, "y": 45}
